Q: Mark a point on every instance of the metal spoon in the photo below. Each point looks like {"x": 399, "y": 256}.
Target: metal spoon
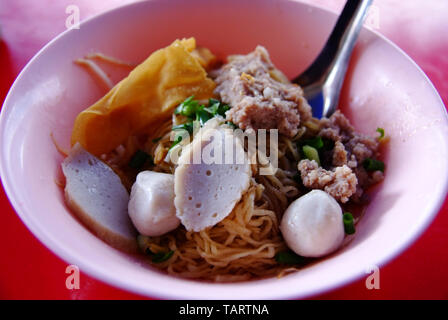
{"x": 322, "y": 81}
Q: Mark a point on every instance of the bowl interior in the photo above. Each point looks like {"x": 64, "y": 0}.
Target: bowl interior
{"x": 383, "y": 88}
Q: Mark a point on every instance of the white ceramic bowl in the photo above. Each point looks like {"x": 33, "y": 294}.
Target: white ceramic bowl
{"x": 384, "y": 88}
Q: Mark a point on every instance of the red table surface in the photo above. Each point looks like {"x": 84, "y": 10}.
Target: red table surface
{"x": 28, "y": 270}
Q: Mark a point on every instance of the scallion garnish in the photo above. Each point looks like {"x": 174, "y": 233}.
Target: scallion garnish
{"x": 162, "y": 256}
{"x": 316, "y": 142}
{"x": 213, "y": 105}
{"x": 188, "y": 126}
{"x": 159, "y": 256}
{"x": 373, "y": 165}
{"x": 311, "y": 153}
{"x": 203, "y": 115}
{"x": 139, "y": 159}
{"x": 381, "y": 132}
{"x": 191, "y": 109}
{"x": 177, "y": 140}
{"x": 212, "y": 102}
{"x": 187, "y": 108}
{"x": 289, "y": 257}
{"x": 216, "y": 107}
{"x": 231, "y": 124}
{"x": 349, "y": 225}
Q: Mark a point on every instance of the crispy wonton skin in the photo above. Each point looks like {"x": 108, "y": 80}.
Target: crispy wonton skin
{"x": 147, "y": 95}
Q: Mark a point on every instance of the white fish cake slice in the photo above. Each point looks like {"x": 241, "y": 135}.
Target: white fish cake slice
{"x": 99, "y": 199}
{"x": 206, "y": 191}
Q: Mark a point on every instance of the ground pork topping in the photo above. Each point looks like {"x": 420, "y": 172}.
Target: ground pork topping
{"x": 339, "y": 154}
{"x": 339, "y": 129}
{"x": 343, "y": 174}
{"x": 340, "y": 182}
{"x": 261, "y": 97}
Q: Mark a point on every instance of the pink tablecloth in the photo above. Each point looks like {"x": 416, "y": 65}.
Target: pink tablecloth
{"x": 29, "y": 270}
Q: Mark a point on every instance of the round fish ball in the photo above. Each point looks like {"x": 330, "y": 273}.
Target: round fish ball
{"x": 312, "y": 225}
{"x": 151, "y": 205}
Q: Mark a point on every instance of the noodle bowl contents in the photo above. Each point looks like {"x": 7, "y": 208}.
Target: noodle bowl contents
{"x": 223, "y": 173}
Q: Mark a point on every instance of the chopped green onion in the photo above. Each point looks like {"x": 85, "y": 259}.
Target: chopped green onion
{"x": 212, "y": 101}
{"x": 373, "y": 165}
{"x": 213, "y": 105}
{"x": 203, "y": 115}
{"x": 139, "y": 159}
{"x": 216, "y": 107}
{"x": 316, "y": 142}
{"x": 191, "y": 108}
{"x": 155, "y": 257}
{"x": 311, "y": 153}
{"x": 381, "y": 132}
{"x": 188, "y": 126}
{"x": 177, "y": 140}
{"x": 232, "y": 125}
{"x": 289, "y": 257}
{"x": 162, "y": 256}
{"x": 349, "y": 226}
{"x": 180, "y": 132}
{"x": 188, "y": 107}
{"x": 223, "y": 109}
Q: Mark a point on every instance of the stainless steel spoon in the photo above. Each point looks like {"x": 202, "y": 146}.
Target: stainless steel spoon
{"x": 322, "y": 81}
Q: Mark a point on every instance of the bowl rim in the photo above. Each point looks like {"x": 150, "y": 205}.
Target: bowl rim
{"x": 94, "y": 270}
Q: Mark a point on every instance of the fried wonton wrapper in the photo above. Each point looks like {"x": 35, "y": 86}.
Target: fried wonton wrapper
{"x": 147, "y": 95}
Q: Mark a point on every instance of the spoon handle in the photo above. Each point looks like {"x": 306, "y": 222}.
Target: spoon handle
{"x": 332, "y": 62}
{"x": 340, "y": 42}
